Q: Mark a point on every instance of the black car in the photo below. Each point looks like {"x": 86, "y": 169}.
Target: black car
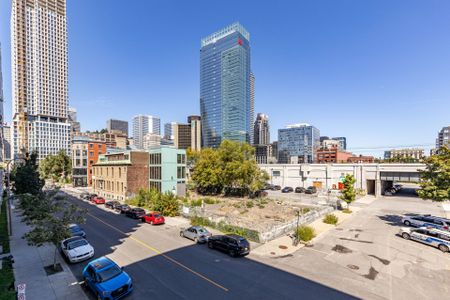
{"x": 287, "y": 189}
{"x": 276, "y": 188}
{"x": 233, "y": 244}
{"x": 85, "y": 195}
{"x": 267, "y": 186}
{"x": 135, "y": 213}
{"x": 311, "y": 190}
{"x": 123, "y": 208}
{"x": 91, "y": 197}
{"x": 112, "y": 204}
{"x": 258, "y": 194}
{"x": 300, "y": 189}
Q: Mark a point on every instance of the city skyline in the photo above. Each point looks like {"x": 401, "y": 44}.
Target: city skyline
{"x": 402, "y": 80}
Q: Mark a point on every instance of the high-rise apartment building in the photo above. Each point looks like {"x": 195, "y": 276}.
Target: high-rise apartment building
{"x": 196, "y": 132}
{"x": 74, "y": 124}
{"x": 169, "y": 129}
{"x": 252, "y": 105}
{"x": 298, "y": 143}
{"x": 443, "y": 137}
{"x": 117, "y": 125}
{"x": 182, "y": 136}
{"x": 2, "y": 136}
{"x": 151, "y": 140}
{"x": 261, "y": 130}
{"x": 7, "y": 142}
{"x": 143, "y": 124}
{"x": 39, "y": 76}
{"x": 225, "y": 86}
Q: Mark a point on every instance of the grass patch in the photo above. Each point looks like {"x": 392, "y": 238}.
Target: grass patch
{"x": 346, "y": 211}
{"x": 208, "y": 200}
{"x": 197, "y": 202}
{"x": 228, "y": 229}
{"x": 330, "y": 219}
{"x": 249, "y": 204}
{"x": 305, "y": 233}
{"x": 7, "y": 289}
{"x": 4, "y": 237}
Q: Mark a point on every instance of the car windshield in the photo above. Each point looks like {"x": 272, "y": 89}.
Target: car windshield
{"x": 75, "y": 229}
{"x": 156, "y": 216}
{"x": 109, "y": 273}
{"x": 76, "y": 244}
{"x": 201, "y": 230}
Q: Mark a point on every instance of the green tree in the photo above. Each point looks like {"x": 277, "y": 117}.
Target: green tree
{"x": 348, "y": 193}
{"x": 435, "y": 184}
{"x": 207, "y": 174}
{"x": 25, "y": 176}
{"x": 56, "y": 167}
{"x": 167, "y": 203}
{"x": 49, "y": 215}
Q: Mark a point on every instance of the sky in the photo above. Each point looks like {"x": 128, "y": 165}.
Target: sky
{"x": 377, "y": 72}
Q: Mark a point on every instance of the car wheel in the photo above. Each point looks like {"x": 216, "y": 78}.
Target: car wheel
{"x": 405, "y": 236}
{"x": 196, "y": 240}
{"x": 210, "y": 245}
{"x": 181, "y": 234}
{"x": 232, "y": 253}
{"x": 443, "y": 248}
{"x": 150, "y": 222}
{"x": 407, "y": 223}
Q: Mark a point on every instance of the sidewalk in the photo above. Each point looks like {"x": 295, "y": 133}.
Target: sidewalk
{"x": 29, "y": 262}
{"x": 282, "y": 246}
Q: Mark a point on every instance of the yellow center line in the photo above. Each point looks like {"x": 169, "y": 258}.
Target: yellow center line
{"x": 162, "y": 254}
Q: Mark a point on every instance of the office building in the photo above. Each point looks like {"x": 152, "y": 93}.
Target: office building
{"x": 39, "y": 77}
{"x": 342, "y": 142}
{"x": 120, "y": 175}
{"x": 169, "y": 129}
{"x": 361, "y": 159}
{"x": 167, "y": 170}
{"x": 263, "y": 153}
{"x": 143, "y": 124}
{"x": 114, "y": 139}
{"x": 85, "y": 153}
{"x": 443, "y": 137}
{"x": 117, "y": 125}
{"x": 329, "y": 144}
{"x": 298, "y": 143}
{"x": 252, "y": 106}
{"x": 151, "y": 140}
{"x": 415, "y": 153}
{"x": 275, "y": 150}
{"x": 196, "y": 132}
{"x": 2, "y": 117}
{"x": 225, "y": 86}
{"x": 182, "y": 136}
{"x": 74, "y": 124}
{"x": 261, "y": 130}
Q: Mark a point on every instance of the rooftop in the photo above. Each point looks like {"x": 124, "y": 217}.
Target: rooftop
{"x": 235, "y": 27}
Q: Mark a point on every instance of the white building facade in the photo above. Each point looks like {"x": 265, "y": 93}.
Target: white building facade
{"x": 39, "y": 77}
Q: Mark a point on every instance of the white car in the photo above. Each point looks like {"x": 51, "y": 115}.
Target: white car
{"x": 427, "y": 221}
{"x": 430, "y": 236}
{"x": 77, "y": 249}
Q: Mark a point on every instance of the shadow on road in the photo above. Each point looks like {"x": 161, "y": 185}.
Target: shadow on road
{"x": 189, "y": 272}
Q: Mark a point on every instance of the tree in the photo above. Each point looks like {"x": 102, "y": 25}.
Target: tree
{"x": 167, "y": 203}
{"x": 232, "y": 166}
{"x": 49, "y": 215}
{"x": 435, "y": 184}
{"x": 348, "y": 193}
{"x": 25, "y": 176}
{"x": 56, "y": 167}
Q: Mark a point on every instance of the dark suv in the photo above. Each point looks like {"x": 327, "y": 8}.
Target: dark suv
{"x": 300, "y": 189}
{"x": 135, "y": 213}
{"x": 311, "y": 190}
{"x": 233, "y": 244}
{"x": 112, "y": 204}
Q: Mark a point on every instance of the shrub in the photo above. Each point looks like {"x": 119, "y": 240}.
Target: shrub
{"x": 346, "y": 211}
{"x": 261, "y": 206}
{"x": 249, "y": 204}
{"x": 208, "y": 200}
{"x": 197, "y": 202}
{"x": 305, "y": 210}
{"x": 330, "y": 219}
{"x": 305, "y": 233}
{"x": 222, "y": 226}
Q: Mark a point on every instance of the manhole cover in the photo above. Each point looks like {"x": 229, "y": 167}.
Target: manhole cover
{"x": 353, "y": 267}
{"x": 282, "y": 247}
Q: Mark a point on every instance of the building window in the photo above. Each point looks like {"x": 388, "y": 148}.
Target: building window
{"x": 91, "y": 145}
{"x": 181, "y": 172}
{"x": 120, "y": 172}
{"x": 181, "y": 158}
{"x": 155, "y": 158}
{"x": 91, "y": 153}
{"x": 155, "y": 172}
{"x": 155, "y": 185}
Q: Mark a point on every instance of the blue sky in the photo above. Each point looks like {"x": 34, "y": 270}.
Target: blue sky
{"x": 377, "y": 72}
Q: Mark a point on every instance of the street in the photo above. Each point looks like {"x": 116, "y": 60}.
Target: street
{"x": 165, "y": 266}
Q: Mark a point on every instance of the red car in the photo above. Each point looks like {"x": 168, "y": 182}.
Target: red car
{"x": 98, "y": 200}
{"x": 153, "y": 218}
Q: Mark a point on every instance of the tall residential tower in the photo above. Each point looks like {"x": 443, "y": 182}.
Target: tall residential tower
{"x": 225, "y": 86}
{"x": 39, "y": 77}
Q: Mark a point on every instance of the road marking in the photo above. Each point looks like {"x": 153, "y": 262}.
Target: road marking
{"x": 162, "y": 254}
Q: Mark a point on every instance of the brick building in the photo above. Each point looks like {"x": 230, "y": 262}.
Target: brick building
{"x": 360, "y": 159}
{"x": 120, "y": 175}
{"x": 85, "y": 153}
{"x": 332, "y": 155}
{"x": 113, "y": 139}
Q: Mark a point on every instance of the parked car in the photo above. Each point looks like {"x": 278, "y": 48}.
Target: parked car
{"x": 91, "y": 197}
{"x": 234, "y": 245}
{"x": 267, "y": 186}
{"x": 311, "y": 190}
{"x": 76, "y": 230}
{"x": 398, "y": 187}
{"x": 76, "y": 249}
{"x": 106, "y": 279}
{"x": 122, "y": 208}
{"x": 112, "y": 204}
{"x": 276, "y": 188}
{"x": 258, "y": 194}
{"x": 433, "y": 237}
{"x": 98, "y": 200}
{"x": 85, "y": 195}
{"x": 427, "y": 221}
{"x": 300, "y": 189}
{"x": 153, "y": 218}
{"x": 135, "y": 213}
{"x": 196, "y": 233}
{"x": 287, "y": 189}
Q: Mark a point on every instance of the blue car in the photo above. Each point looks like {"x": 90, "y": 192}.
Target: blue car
{"x": 106, "y": 279}
{"x": 76, "y": 230}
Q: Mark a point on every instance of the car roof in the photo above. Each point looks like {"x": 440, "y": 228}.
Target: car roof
{"x": 101, "y": 263}
{"x": 72, "y": 239}
{"x": 197, "y": 227}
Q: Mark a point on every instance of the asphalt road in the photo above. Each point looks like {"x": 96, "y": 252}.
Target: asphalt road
{"x": 165, "y": 266}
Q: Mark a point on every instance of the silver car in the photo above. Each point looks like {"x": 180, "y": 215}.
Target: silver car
{"x": 430, "y": 236}
{"x": 426, "y": 221}
{"x": 196, "y": 233}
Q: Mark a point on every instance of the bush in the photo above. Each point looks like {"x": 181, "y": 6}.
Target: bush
{"x": 330, "y": 219}
{"x": 249, "y": 204}
{"x": 305, "y": 233}
{"x": 167, "y": 204}
{"x": 197, "y": 202}
{"x": 346, "y": 211}
{"x": 208, "y": 200}
{"x": 222, "y": 226}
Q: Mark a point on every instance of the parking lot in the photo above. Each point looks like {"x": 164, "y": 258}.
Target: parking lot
{"x": 365, "y": 258}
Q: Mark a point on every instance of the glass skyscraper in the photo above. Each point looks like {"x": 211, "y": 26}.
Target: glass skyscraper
{"x": 225, "y": 89}
{"x": 298, "y": 143}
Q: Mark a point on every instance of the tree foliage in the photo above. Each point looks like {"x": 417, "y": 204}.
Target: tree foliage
{"x": 25, "y": 176}
{"x": 56, "y": 167}
{"x": 435, "y": 184}
{"x": 348, "y": 193}
{"x": 167, "y": 204}
{"x": 232, "y": 167}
